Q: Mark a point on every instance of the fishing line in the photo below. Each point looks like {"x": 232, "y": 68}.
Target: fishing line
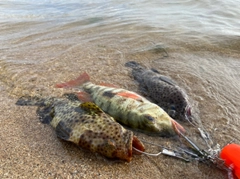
{"x": 146, "y": 153}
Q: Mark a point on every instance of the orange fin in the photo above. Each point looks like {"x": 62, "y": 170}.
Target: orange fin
{"x": 76, "y": 82}
{"x": 84, "y": 97}
{"x": 108, "y": 85}
{"x": 130, "y": 95}
{"x": 136, "y": 143}
{"x": 177, "y": 127}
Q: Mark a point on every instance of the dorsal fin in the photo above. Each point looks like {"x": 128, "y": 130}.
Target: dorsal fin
{"x": 154, "y": 70}
{"x": 130, "y": 95}
{"x": 167, "y": 80}
{"x": 91, "y": 107}
{"x": 164, "y": 78}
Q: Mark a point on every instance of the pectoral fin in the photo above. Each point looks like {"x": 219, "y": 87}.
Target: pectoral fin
{"x": 91, "y": 107}
{"x": 63, "y": 131}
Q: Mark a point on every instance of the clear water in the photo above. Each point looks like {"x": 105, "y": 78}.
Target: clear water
{"x": 194, "y": 42}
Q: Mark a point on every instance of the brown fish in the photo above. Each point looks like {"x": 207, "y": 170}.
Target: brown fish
{"x": 162, "y": 91}
{"x": 86, "y": 125}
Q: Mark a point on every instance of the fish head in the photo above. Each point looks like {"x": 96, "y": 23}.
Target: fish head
{"x": 123, "y": 148}
{"x": 179, "y": 108}
{"x": 111, "y": 141}
{"x": 158, "y": 124}
{"x": 106, "y": 136}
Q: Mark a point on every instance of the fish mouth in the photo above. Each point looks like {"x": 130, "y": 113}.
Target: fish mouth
{"x": 188, "y": 113}
{"x": 136, "y": 143}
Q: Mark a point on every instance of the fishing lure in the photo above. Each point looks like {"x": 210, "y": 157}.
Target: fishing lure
{"x": 86, "y": 125}
{"x": 227, "y": 158}
{"x": 162, "y": 90}
{"x": 231, "y": 155}
{"x": 126, "y": 107}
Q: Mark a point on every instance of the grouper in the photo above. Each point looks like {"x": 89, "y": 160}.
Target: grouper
{"x": 86, "y": 125}
{"x": 162, "y": 90}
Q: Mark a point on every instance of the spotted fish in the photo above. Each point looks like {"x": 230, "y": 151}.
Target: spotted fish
{"x": 86, "y": 125}
{"x": 126, "y": 107}
{"x": 162, "y": 91}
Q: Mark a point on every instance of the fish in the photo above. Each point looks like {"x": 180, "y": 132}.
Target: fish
{"x": 162, "y": 90}
{"x": 230, "y": 155}
{"x": 86, "y": 125}
{"x": 126, "y": 107}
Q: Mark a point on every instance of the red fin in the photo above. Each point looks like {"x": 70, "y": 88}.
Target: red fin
{"x": 108, "y": 85}
{"x": 76, "y": 82}
{"x": 177, "y": 127}
{"x": 130, "y": 95}
{"x": 84, "y": 97}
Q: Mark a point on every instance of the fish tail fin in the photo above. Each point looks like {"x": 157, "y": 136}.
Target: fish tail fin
{"x": 154, "y": 70}
{"x": 132, "y": 64}
{"x": 177, "y": 127}
{"x": 137, "y": 70}
{"x": 83, "y": 78}
{"x": 30, "y": 101}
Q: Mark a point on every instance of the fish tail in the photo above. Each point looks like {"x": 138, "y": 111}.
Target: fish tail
{"x": 30, "y": 101}
{"x": 83, "y": 78}
{"x": 132, "y": 64}
{"x": 177, "y": 127}
{"x": 84, "y": 97}
{"x": 137, "y": 70}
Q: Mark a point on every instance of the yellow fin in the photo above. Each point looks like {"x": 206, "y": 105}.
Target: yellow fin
{"x": 91, "y": 107}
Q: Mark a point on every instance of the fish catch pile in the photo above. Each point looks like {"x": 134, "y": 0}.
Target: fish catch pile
{"x": 95, "y": 118}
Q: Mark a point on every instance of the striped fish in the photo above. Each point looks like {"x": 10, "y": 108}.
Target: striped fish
{"x": 86, "y": 125}
{"x": 162, "y": 91}
{"x": 126, "y": 107}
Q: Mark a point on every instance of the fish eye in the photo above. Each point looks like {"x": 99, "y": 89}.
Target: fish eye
{"x": 172, "y": 113}
{"x": 172, "y": 107}
{"x": 149, "y": 118}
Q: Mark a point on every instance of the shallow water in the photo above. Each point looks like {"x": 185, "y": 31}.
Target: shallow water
{"x": 194, "y": 42}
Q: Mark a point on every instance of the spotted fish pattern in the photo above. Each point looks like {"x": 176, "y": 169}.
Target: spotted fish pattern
{"x": 162, "y": 91}
{"x": 126, "y": 107}
{"x": 86, "y": 125}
